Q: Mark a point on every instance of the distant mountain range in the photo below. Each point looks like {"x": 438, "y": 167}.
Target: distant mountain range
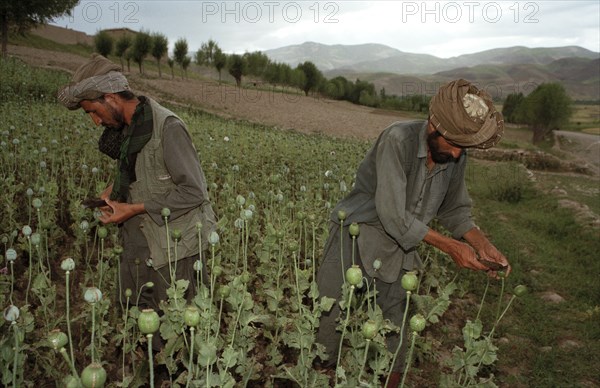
{"x": 380, "y": 58}
{"x": 502, "y": 70}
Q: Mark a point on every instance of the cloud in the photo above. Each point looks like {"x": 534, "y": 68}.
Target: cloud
{"x": 440, "y": 28}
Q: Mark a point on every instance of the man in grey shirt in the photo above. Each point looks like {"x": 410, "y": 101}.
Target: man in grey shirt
{"x": 414, "y": 173}
{"x": 158, "y": 181}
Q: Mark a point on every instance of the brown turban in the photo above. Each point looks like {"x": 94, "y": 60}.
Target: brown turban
{"x": 93, "y": 80}
{"x": 466, "y": 115}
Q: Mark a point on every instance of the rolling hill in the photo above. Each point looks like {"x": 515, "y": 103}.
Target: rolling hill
{"x": 579, "y": 76}
{"x": 381, "y": 58}
{"x": 501, "y": 71}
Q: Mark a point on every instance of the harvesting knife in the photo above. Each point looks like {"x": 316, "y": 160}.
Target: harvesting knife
{"x": 91, "y": 203}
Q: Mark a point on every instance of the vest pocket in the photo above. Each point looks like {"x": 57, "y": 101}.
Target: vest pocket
{"x": 160, "y": 187}
{"x": 163, "y": 251}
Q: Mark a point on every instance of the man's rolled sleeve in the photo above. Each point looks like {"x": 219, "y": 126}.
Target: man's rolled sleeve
{"x": 414, "y": 234}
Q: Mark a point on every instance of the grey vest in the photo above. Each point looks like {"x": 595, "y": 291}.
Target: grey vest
{"x": 153, "y": 179}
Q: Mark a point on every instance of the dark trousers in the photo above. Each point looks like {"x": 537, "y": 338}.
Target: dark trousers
{"x": 391, "y": 297}
{"x": 135, "y": 274}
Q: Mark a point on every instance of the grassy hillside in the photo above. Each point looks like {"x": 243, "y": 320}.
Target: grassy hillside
{"x": 36, "y": 41}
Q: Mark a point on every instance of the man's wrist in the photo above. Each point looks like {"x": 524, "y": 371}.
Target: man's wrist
{"x": 438, "y": 240}
{"x": 136, "y": 208}
{"x": 476, "y": 238}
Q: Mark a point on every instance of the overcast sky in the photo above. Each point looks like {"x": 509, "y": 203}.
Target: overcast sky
{"x": 440, "y": 28}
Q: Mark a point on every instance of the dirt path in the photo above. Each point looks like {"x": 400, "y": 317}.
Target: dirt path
{"x": 584, "y": 145}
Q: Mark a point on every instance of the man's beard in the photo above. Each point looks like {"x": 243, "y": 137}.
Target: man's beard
{"x": 111, "y": 139}
{"x": 117, "y": 118}
{"x": 438, "y": 157}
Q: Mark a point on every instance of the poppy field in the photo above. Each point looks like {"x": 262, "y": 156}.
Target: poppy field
{"x": 254, "y": 318}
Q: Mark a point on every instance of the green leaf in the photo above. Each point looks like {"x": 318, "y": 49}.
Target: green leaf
{"x": 229, "y": 357}
{"x": 265, "y": 319}
{"x": 40, "y": 283}
{"x": 326, "y": 303}
{"x": 314, "y": 290}
{"x": 207, "y": 355}
{"x": 472, "y": 330}
{"x": 274, "y": 296}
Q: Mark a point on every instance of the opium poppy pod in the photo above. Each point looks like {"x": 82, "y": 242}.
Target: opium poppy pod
{"x": 148, "y": 321}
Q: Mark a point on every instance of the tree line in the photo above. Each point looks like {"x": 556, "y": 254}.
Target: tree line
{"x": 545, "y": 109}
{"x": 305, "y": 76}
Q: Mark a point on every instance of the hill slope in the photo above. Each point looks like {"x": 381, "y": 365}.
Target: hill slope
{"x": 381, "y": 58}
{"x": 502, "y": 70}
{"x": 579, "y": 76}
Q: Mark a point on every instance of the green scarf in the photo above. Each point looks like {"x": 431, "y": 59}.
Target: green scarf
{"x": 137, "y": 134}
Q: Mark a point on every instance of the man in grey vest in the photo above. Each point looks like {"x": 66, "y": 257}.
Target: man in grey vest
{"x": 414, "y": 173}
{"x": 158, "y": 178}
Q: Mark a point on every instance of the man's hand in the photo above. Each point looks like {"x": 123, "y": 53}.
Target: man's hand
{"x": 105, "y": 194}
{"x": 118, "y": 212}
{"x": 463, "y": 255}
{"x": 487, "y": 251}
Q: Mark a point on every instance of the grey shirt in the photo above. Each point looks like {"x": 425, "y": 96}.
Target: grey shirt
{"x": 181, "y": 160}
{"x": 395, "y": 196}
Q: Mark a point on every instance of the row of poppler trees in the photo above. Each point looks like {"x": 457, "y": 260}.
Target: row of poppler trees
{"x": 305, "y": 76}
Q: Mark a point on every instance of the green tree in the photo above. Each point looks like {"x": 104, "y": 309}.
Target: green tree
{"x": 220, "y": 61}
{"x": 545, "y": 109}
{"x": 272, "y": 73}
{"x": 367, "y": 98}
{"x": 278, "y": 73}
{"x": 123, "y": 44}
{"x": 205, "y": 56}
{"x": 104, "y": 43}
{"x": 185, "y": 64}
{"x": 340, "y": 88}
{"x": 24, "y": 14}
{"x": 298, "y": 79}
{"x": 142, "y": 45}
{"x": 200, "y": 58}
{"x": 236, "y": 65}
{"x": 128, "y": 58}
{"x": 285, "y": 74}
{"x": 313, "y": 76}
{"x": 510, "y": 108}
{"x": 358, "y": 89}
{"x": 171, "y": 63}
{"x": 257, "y": 63}
{"x": 206, "y": 53}
{"x": 180, "y": 52}
{"x": 160, "y": 45}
